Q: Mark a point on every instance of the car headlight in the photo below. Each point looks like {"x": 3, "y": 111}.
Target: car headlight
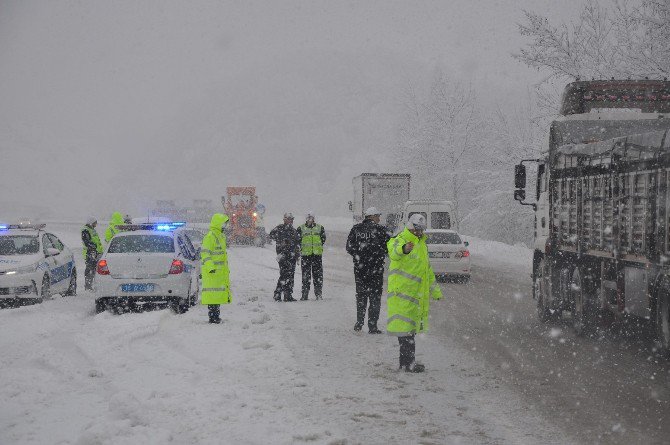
{"x": 25, "y": 269}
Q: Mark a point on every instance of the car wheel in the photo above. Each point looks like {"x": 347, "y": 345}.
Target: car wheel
{"x": 72, "y": 288}
{"x": 180, "y": 306}
{"x": 46, "y": 289}
{"x": 100, "y": 306}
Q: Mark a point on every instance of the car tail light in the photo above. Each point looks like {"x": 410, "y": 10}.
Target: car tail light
{"x": 462, "y": 253}
{"x": 177, "y": 267}
{"x": 102, "y": 267}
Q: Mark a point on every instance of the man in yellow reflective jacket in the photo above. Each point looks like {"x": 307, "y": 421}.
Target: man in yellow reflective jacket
{"x": 411, "y": 284}
{"x": 116, "y": 220}
{"x": 214, "y": 268}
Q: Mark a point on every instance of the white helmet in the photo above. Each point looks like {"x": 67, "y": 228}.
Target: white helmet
{"x": 372, "y": 211}
{"x": 91, "y": 220}
{"x": 416, "y": 222}
{"x": 310, "y": 214}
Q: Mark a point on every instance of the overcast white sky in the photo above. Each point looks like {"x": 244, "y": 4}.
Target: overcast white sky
{"x": 110, "y": 105}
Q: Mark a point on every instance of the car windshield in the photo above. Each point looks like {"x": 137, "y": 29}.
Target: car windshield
{"x": 19, "y": 245}
{"x": 440, "y": 220}
{"x": 443, "y": 238}
{"x": 141, "y": 244}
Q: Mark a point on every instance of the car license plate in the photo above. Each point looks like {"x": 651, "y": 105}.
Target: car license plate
{"x": 137, "y": 287}
{"x": 438, "y": 254}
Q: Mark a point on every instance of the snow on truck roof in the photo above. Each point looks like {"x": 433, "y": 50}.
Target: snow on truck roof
{"x": 634, "y": 146}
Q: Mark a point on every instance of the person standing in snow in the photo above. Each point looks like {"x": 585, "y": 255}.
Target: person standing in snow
{"x": 92, "y": 251}
{"x": 366, "y": 244}
{"x": 116, "y": 220}
{"x": 312, "y": 236}
{"x": 215, "y": 273}
{"x": 411, "y": 284}
{"x": 287, "y": 245}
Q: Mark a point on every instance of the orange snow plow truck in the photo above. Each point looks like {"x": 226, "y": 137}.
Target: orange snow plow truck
{"x": 246, "y": 219}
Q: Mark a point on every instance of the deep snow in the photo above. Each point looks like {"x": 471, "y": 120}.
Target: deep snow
{"x": 271, "y": 373}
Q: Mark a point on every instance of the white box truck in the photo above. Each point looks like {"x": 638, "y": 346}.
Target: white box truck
{"x": 388, "y": 192}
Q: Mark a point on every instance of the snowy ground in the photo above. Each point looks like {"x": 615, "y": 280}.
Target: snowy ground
{"x": 271, "y": 373}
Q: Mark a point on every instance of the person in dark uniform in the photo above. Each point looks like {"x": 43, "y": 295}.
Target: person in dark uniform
{"x": 313, "y": 237}
{"x": 288, "y": 247}
{"x": 92, "y": 251}
{"x": 367, "y": 246}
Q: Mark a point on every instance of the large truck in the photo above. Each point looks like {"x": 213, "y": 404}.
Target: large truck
{"x": 602, "y": 207}
{"x": 241, "y": 206}
{"x": 388, "y": 192}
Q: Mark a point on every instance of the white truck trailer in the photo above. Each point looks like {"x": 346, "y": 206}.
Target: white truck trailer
{"x": 388, "y": 192}
{"x": 602, "y": 207}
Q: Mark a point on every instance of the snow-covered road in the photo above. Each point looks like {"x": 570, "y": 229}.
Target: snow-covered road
{"x": 297, "y": 373}
{"x": 271, "y": 373}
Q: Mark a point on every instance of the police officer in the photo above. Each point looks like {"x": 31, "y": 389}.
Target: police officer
{"x": 92, "y": 251}
{"x": 411, "y": 285}
{"x": 215, "y": 271}
{"x": 287, "y": 247}
{"x": 116, "y": 220}
{"x": 312, "y": 236}
{"x": 367, "y": 246}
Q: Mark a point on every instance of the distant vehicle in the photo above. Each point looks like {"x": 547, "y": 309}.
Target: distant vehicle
{"x": 438, "y": 214}
{"x": 449, "y": 255}
{"x": 601, "y": 204}
{"x": 148, "y": 264}
{"x": 241, "y": 206}
{"x": 34, "y": 265}
{"x": 388, "y": 192}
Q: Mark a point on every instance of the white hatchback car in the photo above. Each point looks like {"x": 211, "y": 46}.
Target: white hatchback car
{"x": 449, "y": 255}
{"x": 147, "y": 264}
{"x": 34, "y": 265}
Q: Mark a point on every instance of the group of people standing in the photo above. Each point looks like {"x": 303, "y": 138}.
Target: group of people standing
{"x": 305, "y": 242}
{"x": 411, "y": 281}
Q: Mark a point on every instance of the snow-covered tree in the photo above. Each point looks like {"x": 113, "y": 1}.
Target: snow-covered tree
{"x": 436, "y": 138}
{"x": 610, "y": 38}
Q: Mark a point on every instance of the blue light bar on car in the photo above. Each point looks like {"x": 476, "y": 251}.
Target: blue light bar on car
{"x": 4, "y": 227}
{"x": 163, "y": 227}
{"x": 22, "y": 226}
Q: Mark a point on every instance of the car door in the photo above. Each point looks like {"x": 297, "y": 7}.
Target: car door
{"x": 189, "y": 254}
{"x": 63, "y": 260}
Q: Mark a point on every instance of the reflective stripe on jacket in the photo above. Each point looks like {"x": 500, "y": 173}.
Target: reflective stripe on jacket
{"x": 411, "y": 284}
{"x": 214, "y": 264}
{"x": 311, "y": 240}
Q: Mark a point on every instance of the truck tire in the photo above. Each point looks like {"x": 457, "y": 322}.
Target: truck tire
{"x": 663, "y": 322}
{"x": 541, "y": 293}
{"x": 583, "y": 314}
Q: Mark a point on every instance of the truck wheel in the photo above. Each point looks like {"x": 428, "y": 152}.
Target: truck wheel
{"x": 540, "y": 291}
{"x": 582, "y": 314}
{"x": 663, "y": 322}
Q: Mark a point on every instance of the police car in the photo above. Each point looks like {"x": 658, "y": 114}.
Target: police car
{"x": 34, "y": 265}
{"x": 148, "y": 264}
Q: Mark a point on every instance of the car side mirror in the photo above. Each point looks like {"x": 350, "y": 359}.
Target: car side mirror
{"x": 520, "y": 176}
{"x": 52, "y": 251}
{"x": 466, "y": 243}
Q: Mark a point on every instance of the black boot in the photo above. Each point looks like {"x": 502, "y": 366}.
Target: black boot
{"x": 415, "y": 367}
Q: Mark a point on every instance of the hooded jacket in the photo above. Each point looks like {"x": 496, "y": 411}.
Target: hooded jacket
{"x": 116, "y": 220}
{"x": 214, "y": 264}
